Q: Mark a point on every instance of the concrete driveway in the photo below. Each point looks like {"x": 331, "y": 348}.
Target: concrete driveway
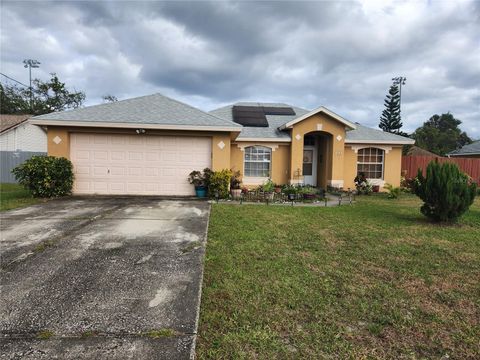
{"x": 102, "y": 278}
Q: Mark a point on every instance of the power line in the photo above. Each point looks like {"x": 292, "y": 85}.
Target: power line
{"x": 8, "y": 77}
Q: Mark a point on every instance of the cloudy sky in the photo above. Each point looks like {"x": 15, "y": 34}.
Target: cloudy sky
{"x": 338, "y": 54}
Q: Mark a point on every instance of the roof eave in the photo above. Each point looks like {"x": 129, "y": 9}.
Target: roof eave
{"x": 286, "y": 140}
{"x": 117, "y": 125}
{"x": 391, "y": 142}
{"x": 464, "y": 154}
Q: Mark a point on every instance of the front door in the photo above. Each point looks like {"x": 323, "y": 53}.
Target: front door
{"x": 310, "y": 165}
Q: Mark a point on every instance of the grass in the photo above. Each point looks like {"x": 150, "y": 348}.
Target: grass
{"x": 372, "y": 280}
{"x": 14, "y": 196}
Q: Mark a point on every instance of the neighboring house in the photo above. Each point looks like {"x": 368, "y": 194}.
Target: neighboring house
{"x": 418, "y": 151}
{"x": 149, "y": 145}
{"x": 17, "y": 134}
{"x": 468, "y": 151}
{"x": 19, "y": 141}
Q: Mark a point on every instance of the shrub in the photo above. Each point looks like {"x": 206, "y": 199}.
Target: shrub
{"x": 268, "y": 186}
{"x": 46, "y": 176}
{"x": 290, "y": 189}
{"x": 219, "y": 181}
{"x": 446, "y": 191}
{"x": 393, "y": 191}
{"x": 362, "y": 185}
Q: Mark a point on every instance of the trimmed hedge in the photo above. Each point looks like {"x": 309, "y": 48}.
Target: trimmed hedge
{"x": 46, "y": 176}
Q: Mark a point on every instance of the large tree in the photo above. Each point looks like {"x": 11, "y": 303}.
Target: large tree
{"x": 441, "y": 134}
{"x": 47, "y": 97}
{"x": 391, "y": 121}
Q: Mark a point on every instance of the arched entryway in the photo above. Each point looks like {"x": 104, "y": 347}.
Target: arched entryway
{"x": 317, "y": 158}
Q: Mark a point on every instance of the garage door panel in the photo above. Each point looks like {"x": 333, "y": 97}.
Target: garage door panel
{"x": 100, "y": 155}
{"x": 117, "y": 188}
{"x": 168, "y": 157}
{"x": 135, "y": 171}
{"x": 118, "y": 139}
{"x": 117, "y": 155}
{"x": 150, "y": 171}
{"x": 117, "y": 171}
{"x": 100, "y": 139}
{"x": 137, "y": 164}
{"x": 135, "y": 155}
{"x": 152, "y": 156}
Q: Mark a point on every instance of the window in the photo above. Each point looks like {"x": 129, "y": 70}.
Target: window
{"x": 257, "y": 161}
{"x": 370, "y": 162}
{"x": 309, "y": 140}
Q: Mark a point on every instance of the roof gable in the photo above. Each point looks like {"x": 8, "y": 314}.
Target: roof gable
{"x": 323, "y": 110}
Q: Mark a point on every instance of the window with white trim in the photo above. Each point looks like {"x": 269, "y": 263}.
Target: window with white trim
{"x": 257, "y": 161}
{"x": 370, "y": 162}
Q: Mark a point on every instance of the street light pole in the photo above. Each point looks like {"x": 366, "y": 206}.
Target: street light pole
{"x": 30, "y": 63}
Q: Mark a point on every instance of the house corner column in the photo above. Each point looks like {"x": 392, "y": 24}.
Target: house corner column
{"x": 58, "y": 142}
{"x": 296, "y": 158}
{"x": 336, "y": 179}
{"x": 220, "y": 152}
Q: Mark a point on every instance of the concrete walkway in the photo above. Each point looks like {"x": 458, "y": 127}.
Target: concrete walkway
{"x": 102, "y": 278}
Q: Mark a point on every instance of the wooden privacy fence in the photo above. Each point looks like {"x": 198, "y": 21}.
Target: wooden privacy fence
{"x": 411, "y": 164}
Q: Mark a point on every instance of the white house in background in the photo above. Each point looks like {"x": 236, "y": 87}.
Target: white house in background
{"x": 18, "y": 135}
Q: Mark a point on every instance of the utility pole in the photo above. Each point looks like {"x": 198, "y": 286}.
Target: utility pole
{"x": 399, "y": 80}
{"x": 30, "y": 63}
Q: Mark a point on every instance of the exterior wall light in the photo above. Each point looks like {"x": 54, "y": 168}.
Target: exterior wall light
{"x": 140, "y": 131}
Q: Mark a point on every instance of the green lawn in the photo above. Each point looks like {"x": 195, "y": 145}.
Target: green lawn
{"x": 372, "y": 280}
{"x": 14, "y": 196}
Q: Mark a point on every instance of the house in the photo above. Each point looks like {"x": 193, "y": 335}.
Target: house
{"x": 469, "y": 151}
{"x": 148, "y": 145}
{"x": 19, "y": 141}
{"x": 418, "y": 151}
{"x": 17, "y": 134}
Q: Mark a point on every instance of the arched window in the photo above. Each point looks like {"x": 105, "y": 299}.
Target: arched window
{"x": 370, "y": 162}
{"x": 257, "y": 161}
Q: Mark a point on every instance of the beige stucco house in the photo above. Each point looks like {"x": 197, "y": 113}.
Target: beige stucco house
{"x": 148, "y": 145}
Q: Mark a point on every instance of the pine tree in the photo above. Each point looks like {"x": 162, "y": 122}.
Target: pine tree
{"x": 446, "y": 191}
{"x": 391, "y": 121}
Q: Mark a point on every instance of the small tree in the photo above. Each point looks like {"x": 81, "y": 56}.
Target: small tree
{"x": 391, "y": 121}
{"x": 446, "y": 191}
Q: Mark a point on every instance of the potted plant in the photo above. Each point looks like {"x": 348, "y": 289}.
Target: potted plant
{"x": 309, "y": 192}
{"x": 268, "y": 188}
{"x": 290, "y": 191}
{"x": 278, "y": 189}
{"x": 197, "y": 179}
{"x": 235, "y": 188}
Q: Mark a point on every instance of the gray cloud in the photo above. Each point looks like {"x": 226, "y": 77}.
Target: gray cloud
{"x": 338, "y": 54}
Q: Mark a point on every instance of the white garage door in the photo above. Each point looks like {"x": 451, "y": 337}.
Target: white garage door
{"x": 137, "y": 164}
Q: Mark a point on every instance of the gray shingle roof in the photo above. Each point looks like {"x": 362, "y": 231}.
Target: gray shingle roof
{"x": 150, "y": 109}
{"x": 470, "y": 149}
{"x": 361, "y": 133}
